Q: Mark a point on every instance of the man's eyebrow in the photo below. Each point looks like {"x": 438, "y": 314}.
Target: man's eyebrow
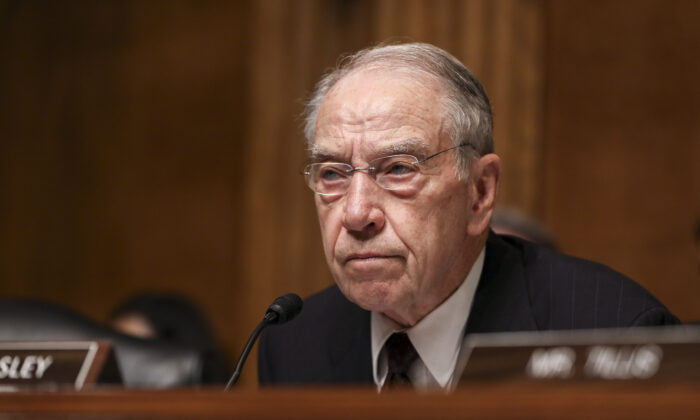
{"x": 412, "y": 146}
{"x": 318, "y": 154}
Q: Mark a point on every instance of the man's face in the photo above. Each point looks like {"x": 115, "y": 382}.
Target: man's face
{"x": 400, "y": 253}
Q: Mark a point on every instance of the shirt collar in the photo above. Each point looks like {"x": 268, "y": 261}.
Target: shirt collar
{"x": 437, "y": 337}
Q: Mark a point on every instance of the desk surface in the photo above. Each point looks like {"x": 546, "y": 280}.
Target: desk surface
{"x": 483, "y": 401}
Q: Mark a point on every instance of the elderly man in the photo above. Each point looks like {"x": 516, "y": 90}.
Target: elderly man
{"x": 405, "y": 178}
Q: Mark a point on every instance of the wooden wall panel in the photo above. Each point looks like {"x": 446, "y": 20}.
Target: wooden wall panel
{"x": 122, "y": 152}
{"x": 622, "y": 180}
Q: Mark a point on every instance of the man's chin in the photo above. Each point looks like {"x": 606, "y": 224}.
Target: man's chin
{"x": 375, "y": 296}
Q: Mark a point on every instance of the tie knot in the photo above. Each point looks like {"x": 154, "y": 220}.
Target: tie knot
{"x": 400, "y": 356}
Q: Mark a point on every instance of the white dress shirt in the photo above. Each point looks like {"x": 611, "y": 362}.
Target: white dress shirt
{"x": 437, "y": 337}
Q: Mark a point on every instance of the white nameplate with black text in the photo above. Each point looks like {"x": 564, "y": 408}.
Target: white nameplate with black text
{"x": 654, "y": 353}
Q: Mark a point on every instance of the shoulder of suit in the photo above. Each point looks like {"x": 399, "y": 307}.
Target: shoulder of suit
{"x": 545, "y": 268}
{"x": 538, "y": 258}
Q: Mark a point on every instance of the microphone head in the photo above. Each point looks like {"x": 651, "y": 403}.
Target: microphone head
{"x": 284, "y": 308}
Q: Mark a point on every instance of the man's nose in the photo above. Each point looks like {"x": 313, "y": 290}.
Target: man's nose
{"x": 363, "y": 214}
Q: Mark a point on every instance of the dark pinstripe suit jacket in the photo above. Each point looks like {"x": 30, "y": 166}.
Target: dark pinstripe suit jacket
{"x": 523, "y": 287}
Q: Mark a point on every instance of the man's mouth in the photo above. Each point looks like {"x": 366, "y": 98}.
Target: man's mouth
{"x": 368, "y": 257}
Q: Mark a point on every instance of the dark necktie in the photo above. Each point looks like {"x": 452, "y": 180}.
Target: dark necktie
{"x": 400, "y": 354}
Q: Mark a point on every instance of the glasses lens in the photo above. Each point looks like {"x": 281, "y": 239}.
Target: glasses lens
{"x": 396, "y": 172}
{"x": 328, "y": 178}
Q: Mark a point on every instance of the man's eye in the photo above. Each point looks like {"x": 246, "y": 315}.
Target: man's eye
{"x": 330, "y": 174}
{"x": 400, "y": 168}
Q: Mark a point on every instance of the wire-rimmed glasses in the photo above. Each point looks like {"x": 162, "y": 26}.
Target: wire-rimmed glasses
{"x": 396, "y": 173}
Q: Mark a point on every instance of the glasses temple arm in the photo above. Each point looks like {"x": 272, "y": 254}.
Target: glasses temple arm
{"x": 446, "y": 150}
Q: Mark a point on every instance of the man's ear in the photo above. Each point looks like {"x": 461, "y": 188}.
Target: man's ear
{"x": 484, "y": 179}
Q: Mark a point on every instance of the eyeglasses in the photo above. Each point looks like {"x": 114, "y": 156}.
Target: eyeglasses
{"x": 395, "y": 173}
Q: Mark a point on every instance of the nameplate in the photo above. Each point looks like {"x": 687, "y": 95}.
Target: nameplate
{"x": 635, "y": 354}
{"x": 44, "y": 364}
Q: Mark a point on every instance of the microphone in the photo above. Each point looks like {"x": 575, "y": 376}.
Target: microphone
{"x": 283, "y": 309}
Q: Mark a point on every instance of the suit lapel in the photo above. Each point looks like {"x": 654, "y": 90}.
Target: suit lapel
{"x": 350, "y": 346}
{"x": 501, "y": 302}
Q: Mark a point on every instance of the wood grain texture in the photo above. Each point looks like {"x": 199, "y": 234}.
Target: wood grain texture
{"x": 483, "y": 401}
{"x": 622, "y": 180}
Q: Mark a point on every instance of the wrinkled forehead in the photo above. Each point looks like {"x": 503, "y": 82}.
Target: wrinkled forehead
{"x": 380, "y": 111}
{"x": 374, "y": 91}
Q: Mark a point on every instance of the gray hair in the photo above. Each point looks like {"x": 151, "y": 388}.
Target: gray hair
{"x": 467, "y": 107}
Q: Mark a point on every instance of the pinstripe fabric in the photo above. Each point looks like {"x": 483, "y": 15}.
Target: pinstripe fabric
{"x": 556, "y": 292}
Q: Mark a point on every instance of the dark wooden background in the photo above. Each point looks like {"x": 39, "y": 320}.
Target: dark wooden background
{"x": 156, "y": 145}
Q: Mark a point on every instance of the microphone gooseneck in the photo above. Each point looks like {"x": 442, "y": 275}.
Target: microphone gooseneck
{"x": 283, "y": 309}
